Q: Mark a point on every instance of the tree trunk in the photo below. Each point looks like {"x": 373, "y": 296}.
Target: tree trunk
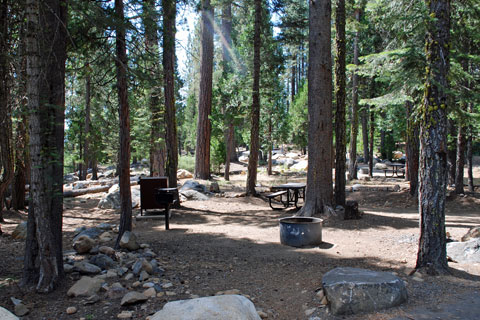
{"x": 270, "y": 143}
{"x": 226, "y": 57}
{"x": 432, "y": 255}
{"x": 22, "y": 167}
{"x": 412, "y": 149}
{"x": 157, "y": 132}
{"x": 46, "y": 54}
{"x": 294, "y": 76}
{"x": 340, "y": 94}
{"x": 383, "y": 134}
{"x": 452, "y": 152}
{"x": 364, "y": 117}
{"x": 204, "y": 128}
{"x": 319, "y": 192}
{"x": 372, "y": 136}
{"x": 352, "y": 166}
{"x": 471, "y": 186}
{"x": 255, "y": 112}
{"x": 124, "y": 122}
{"x": 86, "y": 143}
{"x": 169, "y": 14}
{"x": 6, "y": 150}
{"x": 460, "y": 164}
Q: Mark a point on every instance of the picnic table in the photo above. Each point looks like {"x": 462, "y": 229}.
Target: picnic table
{"x": 396, "y": 168}
{"x": 293, "y": 192}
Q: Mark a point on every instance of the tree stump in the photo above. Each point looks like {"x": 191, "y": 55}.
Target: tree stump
{"x": 351, "y": 210}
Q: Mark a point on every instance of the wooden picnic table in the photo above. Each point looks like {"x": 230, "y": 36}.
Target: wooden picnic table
{"x": 395, "y": 169}
{"x": 295, "y": 191}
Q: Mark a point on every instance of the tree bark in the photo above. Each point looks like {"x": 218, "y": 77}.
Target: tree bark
{"x": 352, "y": 166}
{"x": 157, "y": 131}
{"x": 452, "y": 152}
{"x": 471, "y": 186}
{"x": 6, "y": 150}
{"x": 460, "y": 163}
{"x": 372, "y": 135}
{"x": 412, "y": 149}
{"x": 340, "y": 94}
{"x": 226, "y": 57}
{"x": 432, "y": 255}
{"x": 168, "y": 60}
{"x": 124, "y": 122}
{"x": 204, "y": 128}
{"x": 364, "y": 117}
{"x": 86, "y": 129}
{"x": 46, "y": 55}
{"x": 319, "y": 192}
{"x": 255, "y": 112}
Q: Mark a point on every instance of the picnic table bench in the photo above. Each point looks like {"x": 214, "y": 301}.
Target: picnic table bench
{"x": 293, "y": 191}
{"x": 395, "y": 168}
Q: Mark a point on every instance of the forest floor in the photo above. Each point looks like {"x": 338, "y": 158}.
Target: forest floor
{"x": 233, "y": 243}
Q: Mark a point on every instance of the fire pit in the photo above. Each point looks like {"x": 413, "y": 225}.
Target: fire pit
{"x": 301, "y": 231}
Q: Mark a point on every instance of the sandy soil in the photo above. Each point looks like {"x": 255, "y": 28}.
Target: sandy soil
{"x": 233, "y": 243}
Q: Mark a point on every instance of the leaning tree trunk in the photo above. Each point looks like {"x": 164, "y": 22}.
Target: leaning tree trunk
{"x": 157, "y": 132}
{"x": 319, "y": 192}
{"x": 340, "y": 121}
{"x": 432, "y": 255}
{"x": 169, "y": 13}
{"x": 124, "y": 122}
{"x": 412, "y": 149}
{"x": 204, "y": 127}
{"x": 255, "y": 112}
{"x": 6, "y": 150}
{"x": 352, "y": 166}
{"x": 46, "y": 54}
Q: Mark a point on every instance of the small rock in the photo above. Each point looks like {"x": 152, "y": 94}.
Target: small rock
{"x": 68, "y": 268}
{"x": 20, "y": 232}
{"x": 133, "y": 297}
{"x": 83, "y": 244}
{"x": 102, "y": 261}
{"x": 136, "y": 284}
{"x": 320, "y": 294}
{"x": 129, "y": 241}
{"x": 86, "y": 268}
{"x": 170, "y": 293}
{"x": 148, "y": 285}
{"x": 129, "y": 276}
{"x": 107, "y": 250}
{"x": 150, "y": 292}
{"x": 86, "y": 286}
{"x": 125, "y": 315}
{"x": 167, "y": 285}
{"x": 262, "y": 314}
{"x": 71, "y": 310}
{"x": 21, "y": 310}
{"x": 144, "y": 276}
{"x": 309, "y": 312}
{"x": 324, "y": 301}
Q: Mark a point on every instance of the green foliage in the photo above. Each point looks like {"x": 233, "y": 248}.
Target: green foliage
{"x": 186, "y": 162}
{"x": 298, "y": 115}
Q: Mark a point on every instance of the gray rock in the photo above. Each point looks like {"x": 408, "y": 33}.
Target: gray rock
{"x": 21, "y": 310}
{"x": 468, "y": 251}
{"x": 68, "y": 268}
{"x": 86, "y": 268}
{"x": 129, "y": 241}
{"x": 105, "y": 226}
{"x": 111, "y": 199}
{"x": 80, "y": 185}
{"x": 20, "y": 232}
{"x": 102, "y": 261}
{"x": 232, "y": 307}
{"x": 83, "y": 244}
{"x": 352, "y": 290}
{"x": 86, "y": 286}
{"x": 193, "y": 185}
{"x": 7, "y": 315}
{"x": 93, "y": 233}
{"x": 116, "y": 292}
{"x": 144, "y": 275}
{"x": 109, "y": 251}
{"x": 472, "y": 234}
{"x": 133, "y": 297}
{"x": 214, "y": 187}
{"x": 194, "y": 195}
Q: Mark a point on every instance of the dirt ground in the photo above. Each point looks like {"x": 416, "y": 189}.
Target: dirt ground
{"x": 233, "y": 243}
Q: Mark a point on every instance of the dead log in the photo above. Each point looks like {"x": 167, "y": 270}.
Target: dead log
{"x": 96, "y": 189}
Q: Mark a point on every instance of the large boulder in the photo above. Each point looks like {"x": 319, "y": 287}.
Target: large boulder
{"x": 86, "y": 287}
{"x": 92, "y": 233}
{"x": 468, "y": 251}
{"x": 193, "y": 195}
{"x": 184, "y": 174}
{"x": 7, "y": 315}
{"x": 111, "y": 199}
{"x": 83, "y": 244}
{"x": 193, "y": 185}
{"x": 353, "y": 290}
{"x": 102, "y": 261}
{"x": 472, "y": 234}
{"x": 232, "y": 307}
{"x": 300, "y": 166}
